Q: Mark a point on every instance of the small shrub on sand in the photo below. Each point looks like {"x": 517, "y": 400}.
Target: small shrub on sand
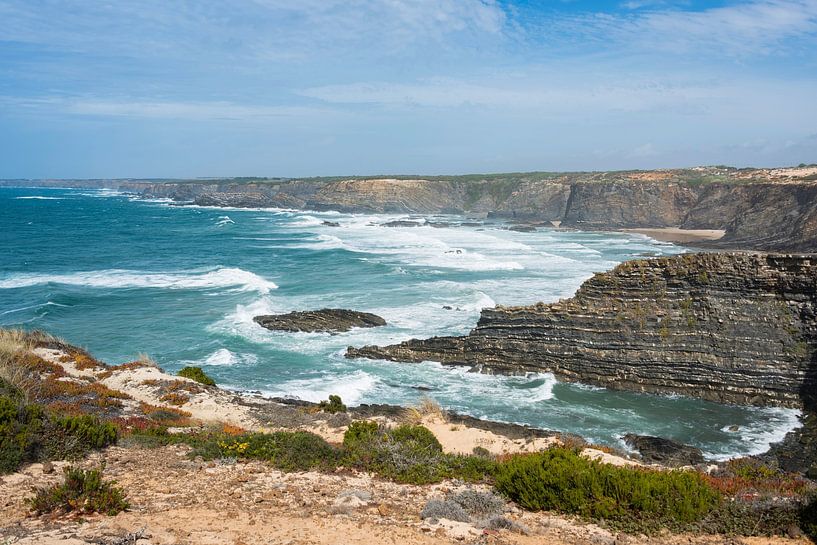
{"x": 197, "y": 374}
{"x": 289, "y": 451}
{"x": 333, "y": 405}
{"x": 29, "y": 434}
{"x": 83, "y": 491}
{"x": 20, "y": 426}
{"x": 408, "y": 454}
{"x": 360, "y": 432}
{"x": 560, "y": 479}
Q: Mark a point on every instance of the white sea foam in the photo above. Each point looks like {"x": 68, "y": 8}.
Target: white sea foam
{"x": 224, "y": 357}
{"x": 38, "y": 198}
{"x": 224, "y": 220}
{"x": 351, "y": 387}
{"x": 117, "y": 278}
{"x": 770, "y": 426}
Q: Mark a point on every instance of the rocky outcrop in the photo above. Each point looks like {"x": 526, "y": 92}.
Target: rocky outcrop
{"x": 759, "y": 209}
{"x": 735, "y": 328}
{"x": 657, "y": 450}
{"x": 328, "y": 320}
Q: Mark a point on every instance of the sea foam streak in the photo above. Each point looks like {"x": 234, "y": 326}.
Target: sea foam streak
{"x": 116, "y": 278}
{"x": 350, "y": 387}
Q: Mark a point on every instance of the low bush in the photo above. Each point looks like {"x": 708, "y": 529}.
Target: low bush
{"x": 560, "y": 479}
{"x": 29, "y": 434}
{"x": 20, "y": 427}
{"x": 359, "y": 432}
{"x": 333, "y": 405}
{"x": 83, "y": 491}
{"x": 289, "y": 451}
{"x": 197, "y": 374}
{"x": 408, "y": 454}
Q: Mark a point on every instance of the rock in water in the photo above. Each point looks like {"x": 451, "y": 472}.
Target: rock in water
{"x": 733, "y": 328}
{"x": 331, "y": 320}
{"x": 664, "y": 451}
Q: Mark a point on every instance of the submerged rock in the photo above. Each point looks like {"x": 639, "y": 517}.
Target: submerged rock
{"x": 401, "y": 223}
{"x": 331, "y": 320}
{"x": 327, "y": 223}
{"x": 664, "y": 451}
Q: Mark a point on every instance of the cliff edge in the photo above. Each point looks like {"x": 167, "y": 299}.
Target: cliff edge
{"x": 734, "y": 328}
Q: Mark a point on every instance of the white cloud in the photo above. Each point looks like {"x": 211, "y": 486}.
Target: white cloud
{"x": 757, "y": 27}
{"x": 149, "y": 109}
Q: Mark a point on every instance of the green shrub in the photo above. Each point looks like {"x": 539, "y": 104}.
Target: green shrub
{"x": 359, "y": 432}
{"x": 82, "y": 491}
{"x": 90, "y": 430}
{"x": 408, "y": 454}
{"x": 416, "y": 437}
{"x": 28, "y": 434}
{"x": 20, "y": 431}
{"x": 334, "y": 405}
{"x": 560, "y": 479}
{"x": 286, "y": 450}
{"x": 196, "y": 373}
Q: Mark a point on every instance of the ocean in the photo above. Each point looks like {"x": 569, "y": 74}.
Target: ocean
{"x": 121, "y": 276}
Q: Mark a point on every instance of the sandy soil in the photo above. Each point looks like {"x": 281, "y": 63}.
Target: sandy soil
{"x": 673, "y": 234}
{"x": 176, "y": 500}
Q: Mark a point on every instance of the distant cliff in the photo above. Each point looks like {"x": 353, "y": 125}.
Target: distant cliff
{"x": 734, "y": 328}
{"x": 759, "y": 209}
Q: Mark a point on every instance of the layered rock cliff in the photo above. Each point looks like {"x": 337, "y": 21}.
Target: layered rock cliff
{"x": 759, "y": 209}
{"x": 735, "y": 328}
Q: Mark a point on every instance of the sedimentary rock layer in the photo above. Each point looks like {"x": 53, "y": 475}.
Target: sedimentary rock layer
{"x": 724, "y": 327}
{"x": 759, "y": 209}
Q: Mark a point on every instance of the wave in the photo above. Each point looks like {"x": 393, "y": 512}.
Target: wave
{"x": 770, "y": 427}
{"x": 38, "y": 198}
{"x": 29, "y": 307}
{"x": 116, "y": 278}
{"x": 225, "y": 357}
{"x": 351, "y": 387}
{"x": 224, "y": 220}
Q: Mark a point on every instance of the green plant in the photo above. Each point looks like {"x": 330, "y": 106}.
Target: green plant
{"x": 333, "y": 405}
{"x": 83, "y": 491}
{"x": 286, "y": 450}
{"x": 359, "y": 432}
{"x": 197, "y": 374}
{"x": 562, "y": 480}
{"x": 408, "y": 454}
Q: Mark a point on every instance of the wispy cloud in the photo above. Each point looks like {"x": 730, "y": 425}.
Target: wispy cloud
{"x": 749, "y": 28}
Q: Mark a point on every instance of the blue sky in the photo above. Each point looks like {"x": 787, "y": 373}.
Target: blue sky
{"x": 331, "y": 87}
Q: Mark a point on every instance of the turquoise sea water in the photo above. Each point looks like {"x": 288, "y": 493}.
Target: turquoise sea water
{"x": 122, "y": 276}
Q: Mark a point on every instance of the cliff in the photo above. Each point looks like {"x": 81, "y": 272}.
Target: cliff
{"x": 734, "y": 328}
{"x": 759, "y": 209}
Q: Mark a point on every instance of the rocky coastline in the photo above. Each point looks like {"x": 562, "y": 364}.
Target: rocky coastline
{"x": 757, "y": 209}
{"x": 730, "y": 328}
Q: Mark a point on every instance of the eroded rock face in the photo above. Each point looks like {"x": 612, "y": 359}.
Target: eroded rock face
{"x": 331, "y": 320}
{"x": 664, "y": 451}
{"x": 735, "y": 328}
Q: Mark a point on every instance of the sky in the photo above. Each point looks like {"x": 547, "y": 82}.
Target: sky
{"x": 198, "y": 88}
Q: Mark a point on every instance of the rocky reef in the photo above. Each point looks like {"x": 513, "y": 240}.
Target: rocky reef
{"x": 327, "y": 320}
{"x": 735, "y": 328}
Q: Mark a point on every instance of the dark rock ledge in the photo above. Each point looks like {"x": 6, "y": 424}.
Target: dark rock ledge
{"x": 331, "y": 320}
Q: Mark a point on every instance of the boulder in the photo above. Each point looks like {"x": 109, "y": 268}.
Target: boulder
{"x": 664, "y": 451}
{"x": 328, "y": 320}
